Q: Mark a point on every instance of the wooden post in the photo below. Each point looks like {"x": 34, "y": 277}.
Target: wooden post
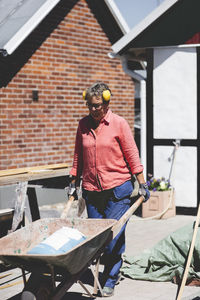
{"x": 33, "y": 203}
{"x": 19, "y": 205}
{"x": 180, "y": 291}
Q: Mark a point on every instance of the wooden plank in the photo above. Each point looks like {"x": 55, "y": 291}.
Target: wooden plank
{"x": 6, "y": 211}
{"x": 47, "y": 167}
{"x": 6, "y": 214}
{"x": 8, "y": 180}
{"x": 38, "y": 169}
{"x": 12, "y": 172}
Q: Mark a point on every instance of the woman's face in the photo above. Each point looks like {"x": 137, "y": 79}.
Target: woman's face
{"x": 97, "y": 108}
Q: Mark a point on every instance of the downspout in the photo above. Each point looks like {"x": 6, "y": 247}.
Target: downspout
{"x": 143, "y": 124}
{"x": 142, "y": 81}
{"x": 3, "y": 52}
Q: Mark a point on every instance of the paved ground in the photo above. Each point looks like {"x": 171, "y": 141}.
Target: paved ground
{"x": 141, "y": 235}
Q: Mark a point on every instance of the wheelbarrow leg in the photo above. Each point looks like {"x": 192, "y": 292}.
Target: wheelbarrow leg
{"x": 96, "y": 280}
{"x": 96, "y": 272}
{"x": 63, "y": 287}
{"x": 84, "y": 287}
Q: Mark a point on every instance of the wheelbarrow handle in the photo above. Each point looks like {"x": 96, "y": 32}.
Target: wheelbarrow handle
{"x": 67, "y": 207}
{"x": 116, "y": 228}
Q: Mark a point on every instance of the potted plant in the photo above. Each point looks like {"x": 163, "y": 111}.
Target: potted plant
{"x": 161, "y": 204}
{"x": 160, "y": 184}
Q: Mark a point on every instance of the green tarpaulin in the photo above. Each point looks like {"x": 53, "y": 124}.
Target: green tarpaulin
{"x": 166, "y": 259}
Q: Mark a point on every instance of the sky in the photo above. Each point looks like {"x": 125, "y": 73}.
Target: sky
{"x": 134, "y": 11}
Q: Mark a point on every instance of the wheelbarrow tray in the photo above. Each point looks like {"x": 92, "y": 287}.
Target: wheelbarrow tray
{"x": 14, "y": 247}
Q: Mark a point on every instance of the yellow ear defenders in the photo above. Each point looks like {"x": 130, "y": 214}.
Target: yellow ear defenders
{"x": 105, "y": 95}
{"x": 84, "y": 94}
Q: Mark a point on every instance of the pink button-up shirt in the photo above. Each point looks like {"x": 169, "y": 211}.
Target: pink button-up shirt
{"x": 107, "y": 158}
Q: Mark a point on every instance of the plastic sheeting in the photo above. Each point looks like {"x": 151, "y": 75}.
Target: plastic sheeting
{"x": 166, "y": 260}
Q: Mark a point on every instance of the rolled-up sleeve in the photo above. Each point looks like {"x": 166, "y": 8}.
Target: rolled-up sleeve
{"x": 129, "y": 148}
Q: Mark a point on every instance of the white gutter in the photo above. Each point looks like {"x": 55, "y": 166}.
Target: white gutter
{"x": 131, "y": 73}
{"x": 143, "y": 134}
{"x": 142, "y": 80}
{"x": 131, "y": 35}
{"x": 118, "y": 16}
{"x": 29, "y": 26}
{"x": 176, "y": 46}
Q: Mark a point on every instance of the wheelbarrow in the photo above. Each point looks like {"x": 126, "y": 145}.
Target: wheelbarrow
{"x": 64, "y": 268}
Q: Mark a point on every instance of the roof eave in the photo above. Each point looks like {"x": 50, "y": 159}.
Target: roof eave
{"x": 140, "y": 54}
{"x": 29, "y": 26}
{"x": 138, "y": 29}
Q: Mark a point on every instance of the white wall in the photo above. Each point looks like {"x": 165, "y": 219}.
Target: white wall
{"x": 184, "y": 172}
{"x": 175, "y": 93}
{"x": 175, "y": 117}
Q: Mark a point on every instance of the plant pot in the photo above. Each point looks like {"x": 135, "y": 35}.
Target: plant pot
{"x": 157, "y": 203}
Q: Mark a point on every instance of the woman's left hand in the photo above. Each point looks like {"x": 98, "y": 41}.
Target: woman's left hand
{"x": 144, "y": 191}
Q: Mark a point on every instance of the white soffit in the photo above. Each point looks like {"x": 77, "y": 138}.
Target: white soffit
{"x": 131, "y": 35}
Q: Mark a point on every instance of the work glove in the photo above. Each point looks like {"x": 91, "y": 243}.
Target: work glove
{"x": 144, "y": 191}
{"x": 72, "y": 190}
{"x": 136, "y": 187}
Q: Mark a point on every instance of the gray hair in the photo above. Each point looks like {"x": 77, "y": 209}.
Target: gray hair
{"x": 96, "y": 90}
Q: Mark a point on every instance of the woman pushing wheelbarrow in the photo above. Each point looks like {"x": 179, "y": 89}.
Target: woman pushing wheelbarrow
{"x": 106, "y": 156}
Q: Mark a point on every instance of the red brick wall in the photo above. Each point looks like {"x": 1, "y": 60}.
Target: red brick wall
{"x": 71, "y": 58}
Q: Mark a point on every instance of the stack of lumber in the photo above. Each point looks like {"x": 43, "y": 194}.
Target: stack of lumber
{"x": 13, "y": 176}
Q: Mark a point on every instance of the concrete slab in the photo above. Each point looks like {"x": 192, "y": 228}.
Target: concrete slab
{"x": 141, "y": 234}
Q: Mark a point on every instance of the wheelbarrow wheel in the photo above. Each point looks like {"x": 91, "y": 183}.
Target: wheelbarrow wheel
{"x": 27, "y": 295}
{"x": 42, "y": 294}
{"x": 38, "y": 287}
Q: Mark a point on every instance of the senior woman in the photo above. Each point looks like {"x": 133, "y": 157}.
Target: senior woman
{"x": 106, "y": 157}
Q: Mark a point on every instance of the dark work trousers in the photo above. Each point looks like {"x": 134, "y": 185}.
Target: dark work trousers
{"x": 105, "y": 205}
